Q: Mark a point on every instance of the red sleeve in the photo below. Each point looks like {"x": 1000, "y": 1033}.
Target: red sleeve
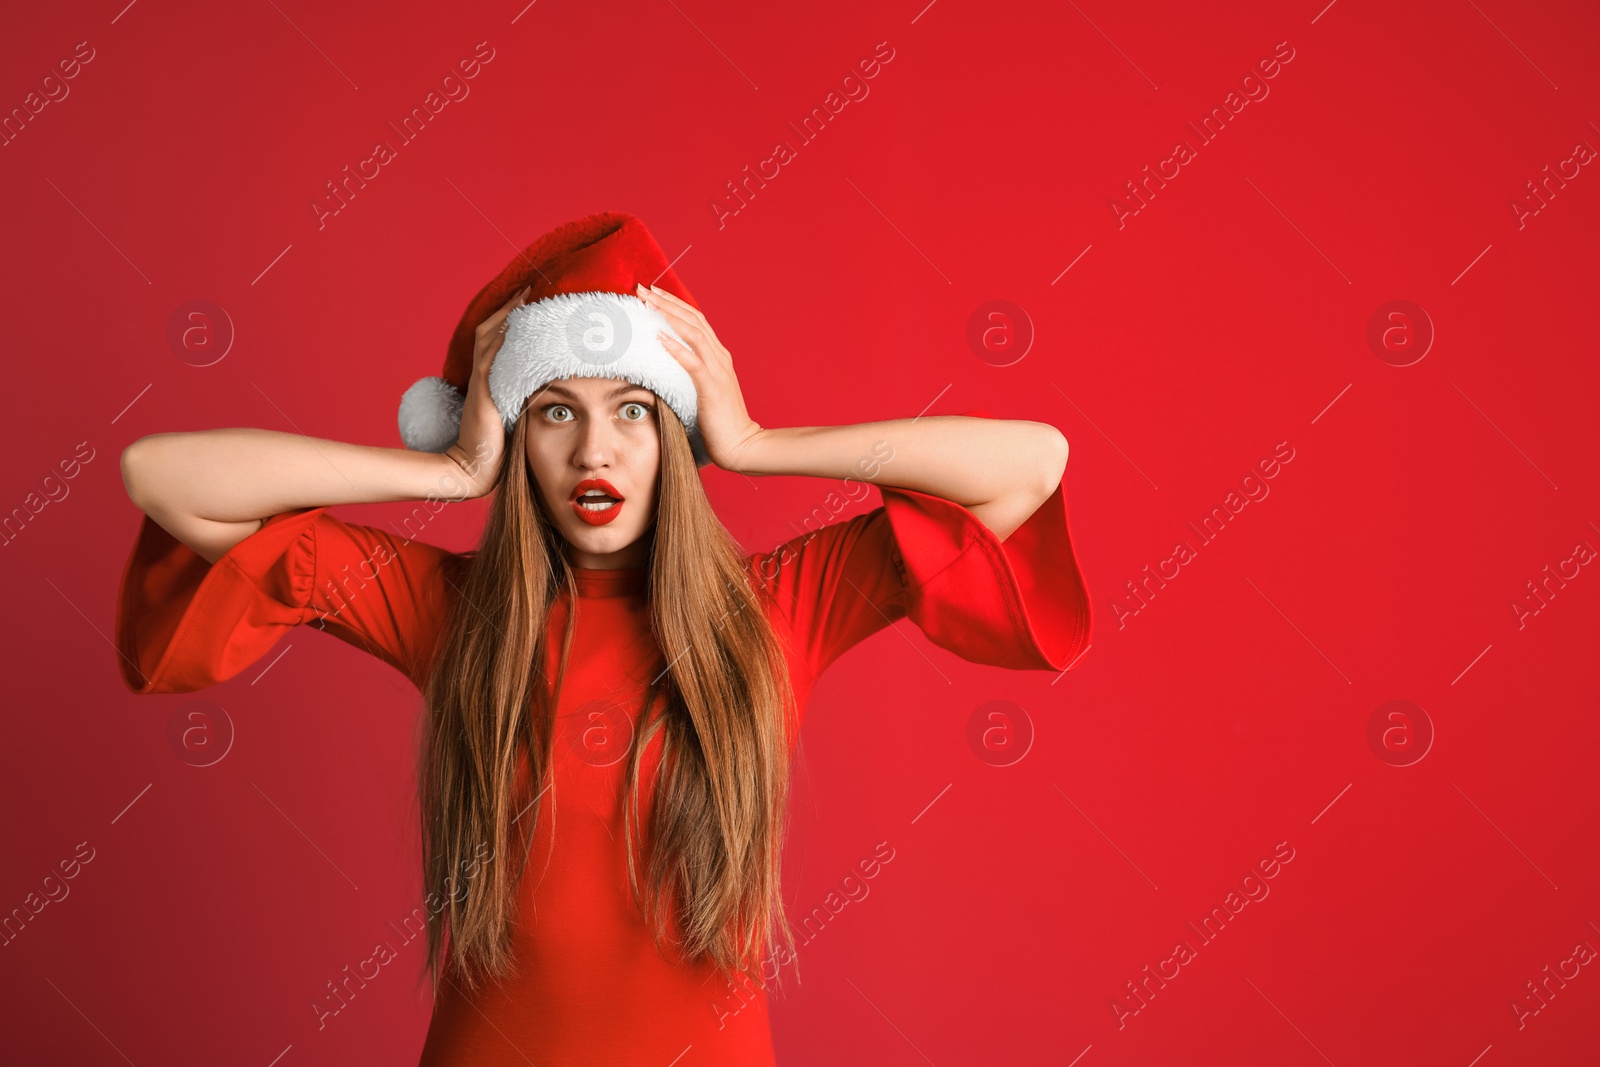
{"x": 1019, "y": 603}
{"x": 184, "y": 624}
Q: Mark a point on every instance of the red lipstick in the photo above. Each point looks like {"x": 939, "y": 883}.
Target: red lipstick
{"x": 599, "y": 507}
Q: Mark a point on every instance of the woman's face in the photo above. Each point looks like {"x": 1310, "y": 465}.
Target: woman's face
{"x": 597, "y": 434}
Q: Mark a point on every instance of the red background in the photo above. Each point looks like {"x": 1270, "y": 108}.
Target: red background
{"x": 1225, "y": 317}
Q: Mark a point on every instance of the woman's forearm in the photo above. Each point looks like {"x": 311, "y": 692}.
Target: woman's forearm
{"x": 1000, "y": 470}
{"x": 211, "y": 489}
{"x": 233, "y": 475}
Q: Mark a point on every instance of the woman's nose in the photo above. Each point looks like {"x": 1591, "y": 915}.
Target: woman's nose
{"x": 596, "y": 443}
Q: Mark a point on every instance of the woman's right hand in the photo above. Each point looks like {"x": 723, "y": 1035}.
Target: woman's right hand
{"x": 480, "y": 445}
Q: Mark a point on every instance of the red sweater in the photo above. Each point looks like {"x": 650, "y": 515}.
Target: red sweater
{"x": 592, "y": 988}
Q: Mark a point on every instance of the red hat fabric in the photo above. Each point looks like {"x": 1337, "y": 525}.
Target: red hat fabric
{"x": 583, "y": 319}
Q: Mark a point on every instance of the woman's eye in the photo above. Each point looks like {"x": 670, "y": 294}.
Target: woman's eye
{"x": 550, "y": 411}
{"x": 633, "y": 405}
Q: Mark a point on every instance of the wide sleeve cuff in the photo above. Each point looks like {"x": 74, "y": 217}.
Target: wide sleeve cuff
{"x": 1020, "y": 603}
{"x": 184, "y": 624}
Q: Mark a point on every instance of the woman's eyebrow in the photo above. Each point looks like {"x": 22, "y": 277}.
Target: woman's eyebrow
{"x": 625, "y": 387}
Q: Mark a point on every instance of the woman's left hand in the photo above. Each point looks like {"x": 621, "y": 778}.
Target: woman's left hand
{"x": 725, "y": 426}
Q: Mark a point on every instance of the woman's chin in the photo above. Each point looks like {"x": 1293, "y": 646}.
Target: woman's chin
{"x": 599, "y": 540}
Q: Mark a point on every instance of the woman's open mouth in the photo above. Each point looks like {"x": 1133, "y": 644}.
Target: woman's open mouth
{"x": 596, "y": 501}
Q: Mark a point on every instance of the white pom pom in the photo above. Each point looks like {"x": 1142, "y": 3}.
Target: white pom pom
{"x": 430, "y": 415}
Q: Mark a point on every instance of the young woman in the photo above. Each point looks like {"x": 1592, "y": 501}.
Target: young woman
{"x": 612, "y": 687}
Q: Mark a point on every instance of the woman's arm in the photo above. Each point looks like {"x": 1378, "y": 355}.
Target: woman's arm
{"x": 211, "y": 489}
{"x": 1000, "y": 470}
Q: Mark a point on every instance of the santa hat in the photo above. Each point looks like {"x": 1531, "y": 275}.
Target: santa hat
{"x": 583, "y": 319}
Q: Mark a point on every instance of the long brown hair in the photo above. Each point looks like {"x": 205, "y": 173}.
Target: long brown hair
{"x": 719, "y": 809}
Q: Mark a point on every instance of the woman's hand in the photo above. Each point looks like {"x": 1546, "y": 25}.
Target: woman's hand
{"x": 481, "y": 443}
{"x": 725, "y": 426}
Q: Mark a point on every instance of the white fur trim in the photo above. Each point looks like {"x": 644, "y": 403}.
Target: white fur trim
{"x": 430, "y": 415}
{"x": 588, "y": 335}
